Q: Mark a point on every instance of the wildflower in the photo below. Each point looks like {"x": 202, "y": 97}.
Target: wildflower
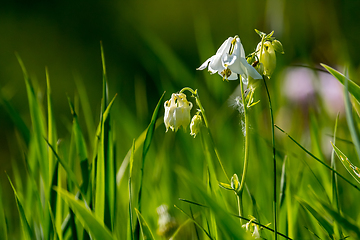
{"x": 253, "y": 228}
{"x": 177, "y": 112}
{"x": 229, "y": 61}
{"x": 166, "y": 222}
{"x": 195, "y": 125}
{"x": 267, "y": 57}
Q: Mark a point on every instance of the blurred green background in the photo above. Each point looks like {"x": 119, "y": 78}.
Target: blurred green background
{"x": 155, "y": 46}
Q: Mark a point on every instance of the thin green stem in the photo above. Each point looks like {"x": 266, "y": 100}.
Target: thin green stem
{"x": 246, "y": 149}
{"x": 274, "y": 160}
{"x": 202, "y": 110}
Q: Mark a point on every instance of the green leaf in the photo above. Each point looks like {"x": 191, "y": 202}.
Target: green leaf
{"x": 353, "y": 88}
{"x": 283, "y": 183}
{"x": 346, "y": 222}
{"x": 226, "y": 186}
{"x": 145, "y": 230}
{"x": 351, "y": 168}
{"x": 325, "y": 224}
{"x": 3, "y": 227}
{"x": 26, "y": 229}
{"x": 86, "y": 216}
{"x": 130, "y": 235}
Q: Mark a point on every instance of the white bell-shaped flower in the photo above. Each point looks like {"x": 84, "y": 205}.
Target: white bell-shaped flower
{"x": 177, "y": 112}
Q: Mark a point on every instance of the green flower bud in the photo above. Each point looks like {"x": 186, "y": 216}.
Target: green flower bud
{"x": 278, "y": 46}
{"x": 267, "y": 57}
{"x": 235, "y": 184}
{"x": 195, "y": 125}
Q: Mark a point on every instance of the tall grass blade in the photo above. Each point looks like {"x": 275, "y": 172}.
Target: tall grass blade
{"x": 3, "y": 225}
{"x": 87, "y": 218}
{"x": 145, "y": 229}
{"x": 80, "y": 147}
{"x": 100, "y": 202}
{"x": 317, "y": 159}
{"x": 325, "y": 224}
{"x": 346, "y": 222}
{"x": 351, "y": 168}
{"x": 26, "y": 229}
{"x": 38, "y": 127}
{"x": 130, "y": 234}
{"x": 283, "y": 182}
{"x": 354, "y": 89}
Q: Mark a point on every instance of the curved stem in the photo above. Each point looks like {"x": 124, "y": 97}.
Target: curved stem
{"x": 274, "y": 161}
{"x": 202, "y": 110}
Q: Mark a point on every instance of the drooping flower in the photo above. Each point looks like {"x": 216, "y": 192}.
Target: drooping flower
{"x": 229, "y": 61}
{"x": 177, "y": 112}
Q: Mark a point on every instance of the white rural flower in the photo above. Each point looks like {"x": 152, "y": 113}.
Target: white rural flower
{"x": 230, "y": 60}
{"x": 177, "y": 112}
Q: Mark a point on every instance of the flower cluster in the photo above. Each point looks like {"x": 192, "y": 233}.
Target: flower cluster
{"x": 177, "y": 112}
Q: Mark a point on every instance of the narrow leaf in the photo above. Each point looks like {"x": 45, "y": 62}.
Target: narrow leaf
{"x": 351, "y": 168}
{"x": 325, "y": 224}
{"x": 145, "y": 230}
{"x": 86, "y": 216}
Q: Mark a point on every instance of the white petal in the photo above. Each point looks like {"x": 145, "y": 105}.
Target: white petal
{"x": 225, "y": 46}
{"x": 239, "y": 49}
{"x": 205, "y": 64}
{"x": 216, "y": 64}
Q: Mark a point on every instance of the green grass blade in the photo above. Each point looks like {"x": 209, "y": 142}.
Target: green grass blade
{"x": 346, "y": 222}
{"x": 3, "y": 225}
{"x": 145, "y": 229}
{"x": 26, "y": 229}
{"x": 87, "y": 218}
{"x": 100, "y": 167}
{"x": 65, "y": 165}
{"x": 353, "y": 88}
{"x": 130, "y": 235}
{"x": 38, "y": 127}
{"x": 80, "y": 147}
{"x": 351, "y": 168}
{"x": 52, "y": 133}
{"x": 317, "y": 159}
{"x": 283, "y": 183}
{"x": 17, "y": 120}
{"x": 325, "y": 224}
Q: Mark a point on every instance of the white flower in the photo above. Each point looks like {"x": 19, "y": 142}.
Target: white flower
{"x": 229, "y": 61}
{"x": 256, "y": 233}
{"x": 177, "y": 112}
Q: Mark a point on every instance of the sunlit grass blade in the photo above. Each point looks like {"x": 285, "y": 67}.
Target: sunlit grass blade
{"x": 101, "y": 165}
{"x": 145, "y": 229}
{"x": 283, "y": 183}
{"x": 351, "y": 168}
{"x": 325, "y": 224}
{"x": 3, "y": 225}
{"x": 130, "y": 234}
{"x": 38, "y": 125}
{"x": 65, "y": 165}
{"x": 353, "y": 88}
{"x": 146, "y": 146}
{"x": 87, "y": 218}
{"x": 80, "y": 147}
{"x": 26, "y": 229}
{"x": 317, "y": 159}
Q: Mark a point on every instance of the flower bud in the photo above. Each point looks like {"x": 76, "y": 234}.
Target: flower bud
{"x": 235, "y": 184}
{"x": 278, "y": 46}
{"x": 195, "y": 125}
{"x": 177, "y": 112}
{"x": 267, "y": 57}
